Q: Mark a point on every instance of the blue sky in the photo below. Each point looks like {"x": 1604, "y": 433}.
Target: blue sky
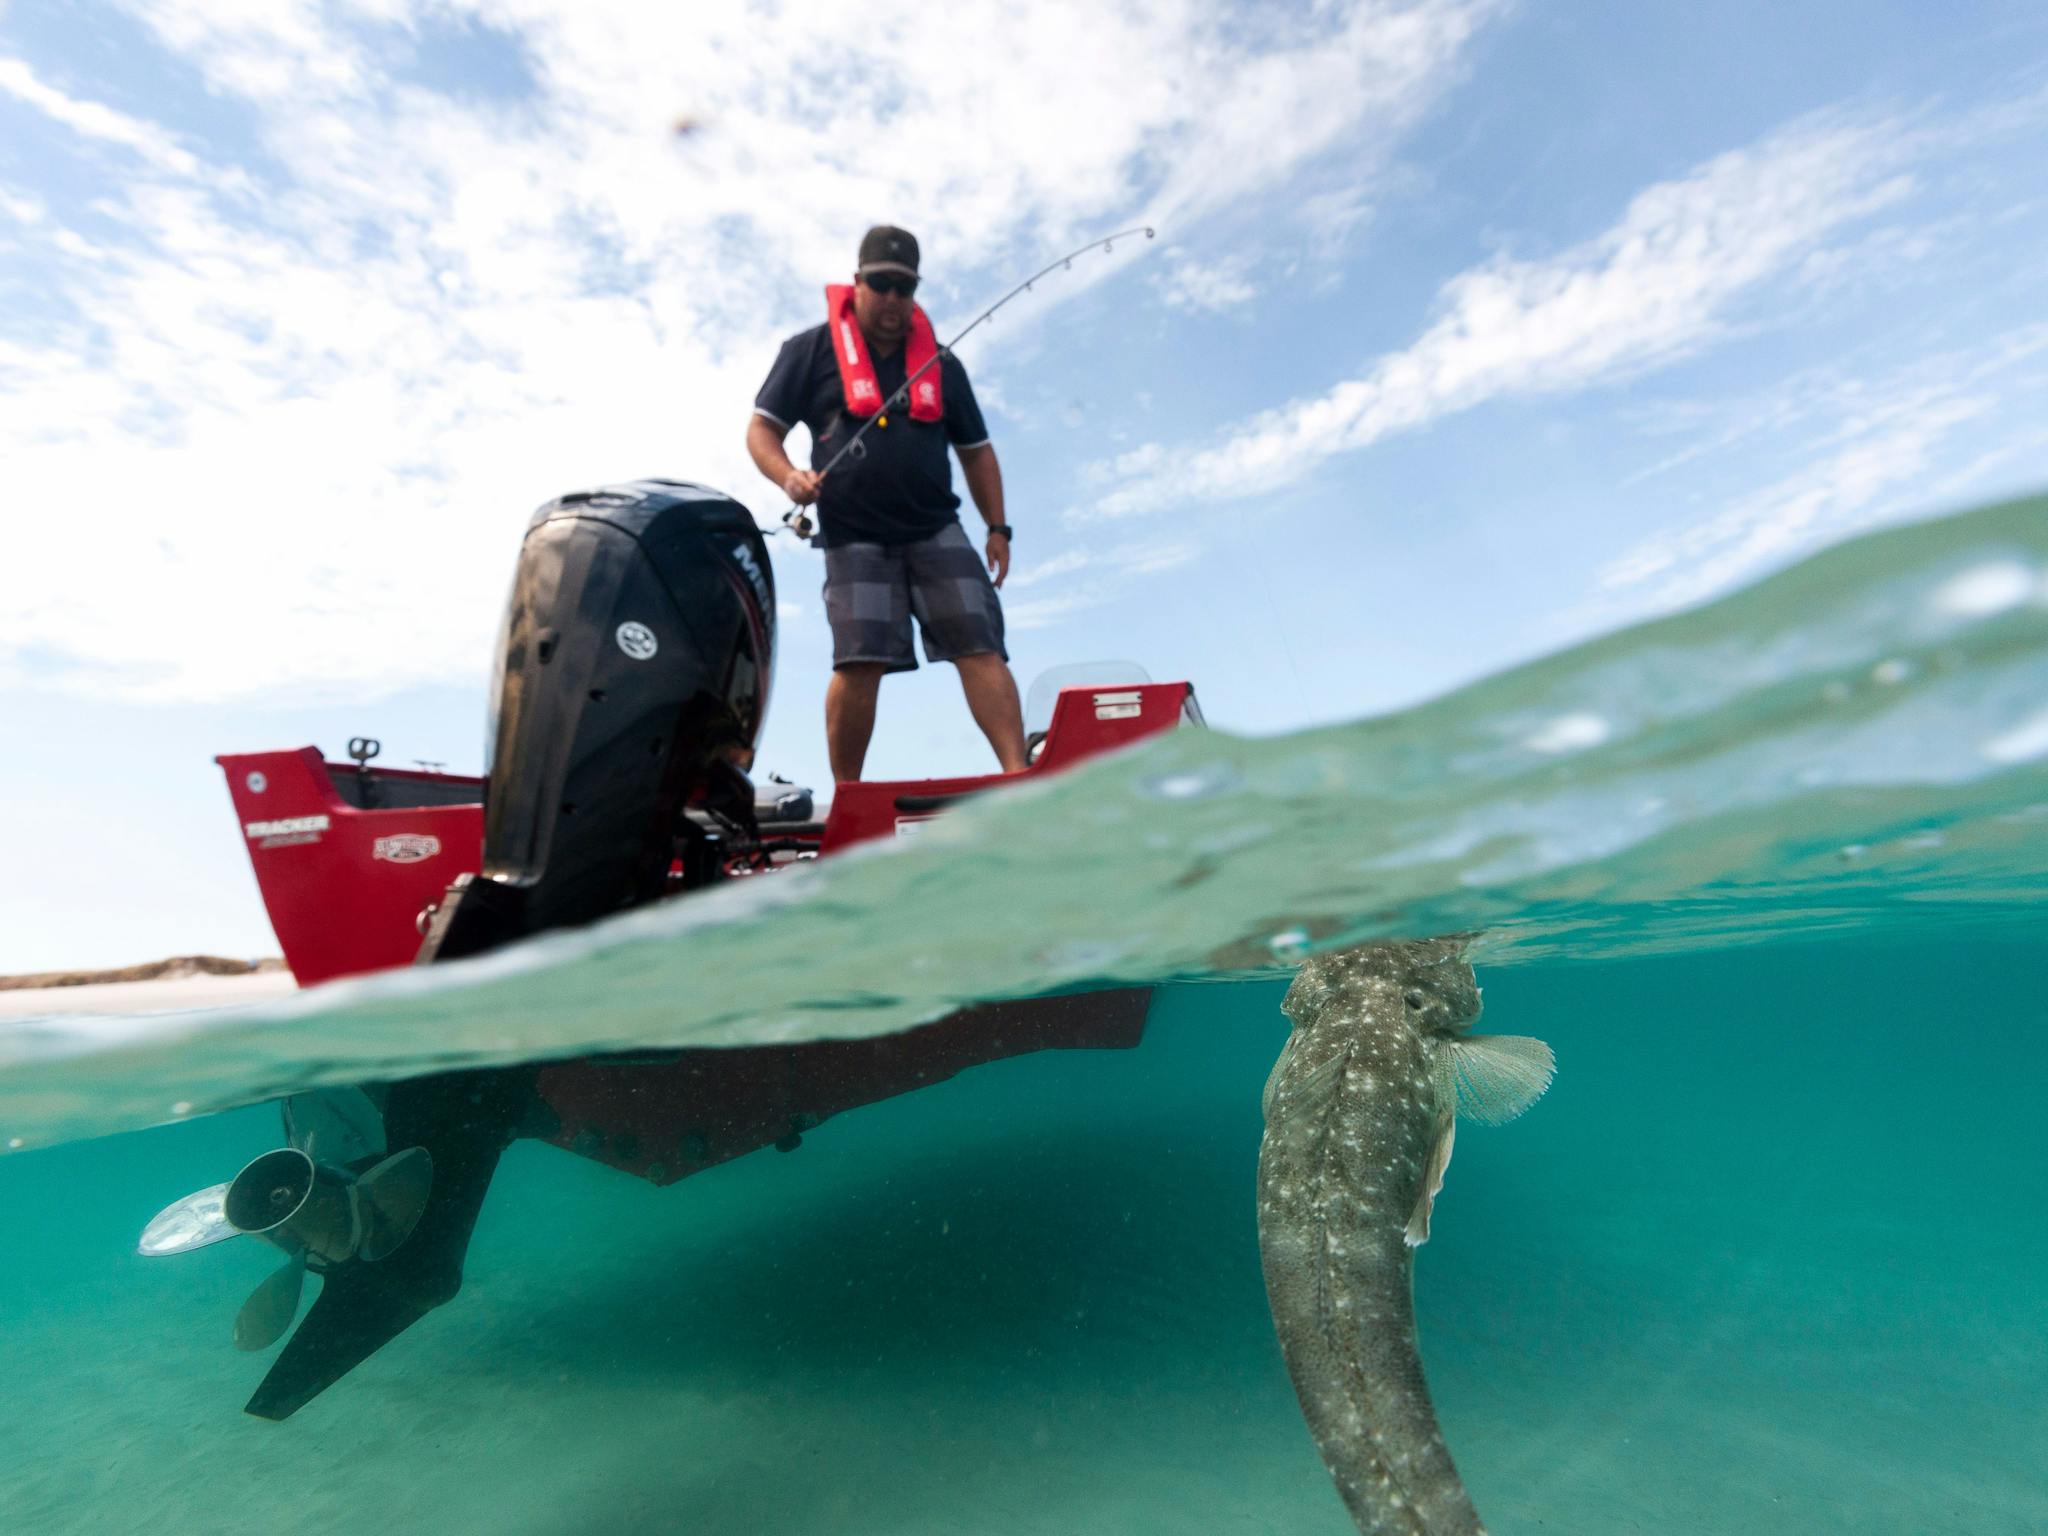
{"x": 1473, "y": 328}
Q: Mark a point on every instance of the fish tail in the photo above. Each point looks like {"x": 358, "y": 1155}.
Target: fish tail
{"x": 1343, "y": 1310}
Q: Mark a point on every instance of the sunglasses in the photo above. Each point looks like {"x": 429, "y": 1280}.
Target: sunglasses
{"x": 889, "y": 282}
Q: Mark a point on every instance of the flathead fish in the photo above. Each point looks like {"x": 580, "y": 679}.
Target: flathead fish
{"x": 1361, "y": 1111}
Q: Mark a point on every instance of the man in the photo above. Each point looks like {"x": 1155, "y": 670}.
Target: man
{"x": 888, "y": 517}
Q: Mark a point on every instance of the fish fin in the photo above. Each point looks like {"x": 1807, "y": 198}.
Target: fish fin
{"x": 1308, "y": 1094}
{"x": 1499, "y": 1076}
{"x": 1432, "y": 1179}
{"x": 1272, "y": 1093}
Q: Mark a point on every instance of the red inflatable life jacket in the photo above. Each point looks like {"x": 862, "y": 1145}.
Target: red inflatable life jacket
{"x": 857, "y": 369}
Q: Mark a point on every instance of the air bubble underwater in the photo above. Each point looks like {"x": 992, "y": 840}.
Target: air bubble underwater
{"x": 1290, "y": 945}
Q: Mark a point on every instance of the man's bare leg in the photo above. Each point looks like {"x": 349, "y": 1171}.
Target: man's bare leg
{"x": 850, "y": 716}
{"x": 992, "y": 699}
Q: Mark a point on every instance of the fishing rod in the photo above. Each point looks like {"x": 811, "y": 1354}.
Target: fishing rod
{"x": 795, "y": 519}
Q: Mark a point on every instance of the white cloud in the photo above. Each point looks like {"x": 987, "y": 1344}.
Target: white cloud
{"x": 23, "y": 210}
{"x": 1044, "y": 612}
{"x": 276, "y": 51}
{"x": 1881, "y": 445}
{"x": 1138, "y": 557}
{"x": 95, "y": 121}
{"x": 1260, "y": 103}
{"x": 1103, "y": 572}
{"x": 1659, "y": 283}
{"x": 1065, "y": 563}
{"x": 1213, "y": 286}
{"x": 289, "y": 439}
{"x": 1796, "y": 512}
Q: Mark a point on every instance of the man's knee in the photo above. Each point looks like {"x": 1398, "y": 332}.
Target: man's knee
{"x": 860, "y": 676}
{"x": 986, "y": 675}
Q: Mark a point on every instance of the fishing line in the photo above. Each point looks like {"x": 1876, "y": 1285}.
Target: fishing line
{"x": 795, "y": 519}
{"x": 1280, "y": 628}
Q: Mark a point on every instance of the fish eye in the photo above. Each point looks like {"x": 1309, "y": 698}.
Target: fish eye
{"x": 1414, "y": 999}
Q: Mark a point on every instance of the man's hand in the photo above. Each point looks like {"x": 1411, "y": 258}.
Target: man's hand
{"x": 801, "y": 486}
{"x": 998, "y": 557}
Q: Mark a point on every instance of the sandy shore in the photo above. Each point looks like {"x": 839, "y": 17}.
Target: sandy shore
{"x": 174, "y": 968}
{"x": 159, "y": 995}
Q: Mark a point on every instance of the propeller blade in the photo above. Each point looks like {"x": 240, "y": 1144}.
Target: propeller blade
{"x": 337, "y": 1126}
{"x": 391, "y": 1197}
{"x": 193, "y": 1222}
{"x": 271, "y": 1308}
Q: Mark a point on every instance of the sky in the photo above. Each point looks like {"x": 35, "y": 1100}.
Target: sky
{"x": 1472, "y": 328}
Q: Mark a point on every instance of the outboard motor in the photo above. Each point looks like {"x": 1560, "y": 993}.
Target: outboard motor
{"x": 632, "y": 680}
{"x": 632, "y": 677}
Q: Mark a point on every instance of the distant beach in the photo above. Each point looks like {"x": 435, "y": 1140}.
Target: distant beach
{"x": 156, "y": 986}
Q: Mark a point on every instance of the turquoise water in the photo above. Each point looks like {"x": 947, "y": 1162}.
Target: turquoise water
{"x": 1768, "y": 1257}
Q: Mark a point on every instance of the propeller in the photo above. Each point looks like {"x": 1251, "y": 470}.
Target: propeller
{"x": 317, "y": 1214}
{"x": 387, "y": 1243}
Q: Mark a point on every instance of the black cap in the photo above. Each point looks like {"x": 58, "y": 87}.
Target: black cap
{"x": 885, "y": 248}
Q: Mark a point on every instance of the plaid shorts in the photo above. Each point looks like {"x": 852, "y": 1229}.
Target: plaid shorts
{"x": 871, "y": 590}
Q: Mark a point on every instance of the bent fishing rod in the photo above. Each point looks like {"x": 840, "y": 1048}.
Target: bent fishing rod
{"x": 795, "y": 519}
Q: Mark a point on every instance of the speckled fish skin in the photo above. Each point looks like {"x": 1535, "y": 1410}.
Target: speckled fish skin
{"x": 1351, "y": 1113}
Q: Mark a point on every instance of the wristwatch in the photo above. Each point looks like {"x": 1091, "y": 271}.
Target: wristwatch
{"x": 1002, "y": 528}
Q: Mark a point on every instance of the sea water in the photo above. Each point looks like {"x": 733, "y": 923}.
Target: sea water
{"x": 1769, "y": 1257}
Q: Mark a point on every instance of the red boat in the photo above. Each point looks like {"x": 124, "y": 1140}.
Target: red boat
{"x": 352, "y": 858}
{"x": 633, "y": 674}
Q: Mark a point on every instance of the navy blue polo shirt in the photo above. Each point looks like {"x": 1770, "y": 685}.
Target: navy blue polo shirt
{"x": 897, "y": 487}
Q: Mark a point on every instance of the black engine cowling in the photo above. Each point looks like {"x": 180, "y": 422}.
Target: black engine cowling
{"x": 633, "y": 672}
